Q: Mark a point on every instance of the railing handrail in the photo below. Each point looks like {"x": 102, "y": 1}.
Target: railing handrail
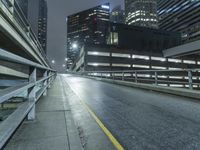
{"x": 5, "y": 55}
{"x": 143, "y": 71}
{"x": 39, "y": 50}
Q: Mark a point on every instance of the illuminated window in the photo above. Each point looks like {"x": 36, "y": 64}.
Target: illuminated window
{"x": 98, "y": 64}
{"x": 98, "y": 53}
{"x": 174, "y": 60}
{"x": 113, "y": 38}
{"x": 121, "y": 65}
{"x": 140, "y": 57}
{"x": 158, "y": 58}
{"x": 121, "y": 55}
{"x": 141, "y": 66}
{"x": 189, "y": 62}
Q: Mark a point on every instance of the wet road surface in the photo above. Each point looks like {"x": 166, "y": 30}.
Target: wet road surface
{"x": 140, "y": 119}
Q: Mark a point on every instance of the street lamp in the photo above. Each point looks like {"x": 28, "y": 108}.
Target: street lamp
{"x": 66, "y": 59}
{"x": 74, "y": 46}
{"x": 53, "y": 62}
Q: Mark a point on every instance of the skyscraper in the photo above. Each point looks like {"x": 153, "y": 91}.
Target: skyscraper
{"x": 182, "y": 16}
{"x": 141, "y": 13}
{"x": 88, "y": 26}
{"x": 117, "y": 15}
{"x": 42, "y": 24}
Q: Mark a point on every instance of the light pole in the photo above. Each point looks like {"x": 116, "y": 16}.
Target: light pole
{"x": 74, "y": 46}
{"x": 53, "y": 61}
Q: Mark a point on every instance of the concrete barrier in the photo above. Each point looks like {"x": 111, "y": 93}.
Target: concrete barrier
{"x": 169, "y": 90}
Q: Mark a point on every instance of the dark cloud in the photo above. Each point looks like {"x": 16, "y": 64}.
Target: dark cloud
{"x": 58, "y": 10}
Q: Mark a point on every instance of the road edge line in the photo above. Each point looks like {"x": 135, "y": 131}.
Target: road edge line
{"x": 113, "y": 140}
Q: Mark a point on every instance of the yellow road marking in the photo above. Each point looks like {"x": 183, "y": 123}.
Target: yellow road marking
{"x": 114, "y": 141}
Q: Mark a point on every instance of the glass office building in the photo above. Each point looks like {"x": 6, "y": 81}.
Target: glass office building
{"x": 88, "y": 26}
{"x": 182, "y": 16}
{"x": 117, "y": 15}
{"x": 141, "y": 13}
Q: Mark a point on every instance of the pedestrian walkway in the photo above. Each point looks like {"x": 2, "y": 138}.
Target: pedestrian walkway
{"x": 59, "y": 125}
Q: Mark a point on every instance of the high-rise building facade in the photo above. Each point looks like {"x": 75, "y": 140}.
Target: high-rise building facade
{"x": 42, "y": 23}
{"x": 182, "y": 16}
{"x": 88, "y": 26}
{"x": 35, "y": 12}
{"x": 141, "y": 13}
{"x": 117, "y": 15}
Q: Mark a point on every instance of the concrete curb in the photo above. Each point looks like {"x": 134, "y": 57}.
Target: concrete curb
{"x": 169, "y": 90}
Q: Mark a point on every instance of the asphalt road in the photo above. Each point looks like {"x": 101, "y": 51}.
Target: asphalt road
{"x": 140, "y": 119}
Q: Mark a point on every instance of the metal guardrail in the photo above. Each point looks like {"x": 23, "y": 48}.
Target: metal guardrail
{"x": 184, "y": 78}
{"x": 25, "y": 79}
{"x": 30, "y": 37}
{"x": 35, "y": 87}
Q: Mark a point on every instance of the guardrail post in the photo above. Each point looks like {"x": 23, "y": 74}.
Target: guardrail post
{"x": 45, "y": 83}
{"x": 122, "y": 76}
{"x": 113, "y": 76}
{"x": 32, "y": 93}
{"x": 156, "y": 78}
{"x": 136, "y": 77}
{"x": 49, "y": 80}
{"x": 190, "y": 79}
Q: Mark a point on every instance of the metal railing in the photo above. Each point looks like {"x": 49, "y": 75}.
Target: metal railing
{"x": 39, "y": 78}
{"x": 181, "y": 78}
{"x": 28, "y": 34}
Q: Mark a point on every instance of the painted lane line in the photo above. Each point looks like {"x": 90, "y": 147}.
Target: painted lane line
{"x": 113, "y": 140}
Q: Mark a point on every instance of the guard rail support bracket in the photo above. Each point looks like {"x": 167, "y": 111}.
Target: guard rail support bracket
{"x": 156, "y": 78}
{"x": 32, "y": 93}
{"x": 49, "y": 80}
{"x": 136, "y": 80}
{"x": 45, "y": 83}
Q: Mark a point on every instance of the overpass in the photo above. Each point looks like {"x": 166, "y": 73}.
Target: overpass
{"x": 91, "y": 110}
{"x": 25, "y": 74}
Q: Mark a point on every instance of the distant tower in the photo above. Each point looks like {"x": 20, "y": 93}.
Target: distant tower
{"x": 117, "y": 15}
{"x": 141, "y": 13}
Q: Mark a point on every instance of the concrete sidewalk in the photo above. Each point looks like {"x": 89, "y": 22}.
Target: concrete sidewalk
{"x": 53, "y": 129}
{"x": 59, "y": 125}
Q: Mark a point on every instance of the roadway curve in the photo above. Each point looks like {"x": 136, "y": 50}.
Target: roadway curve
{"x": 140, "y": 119}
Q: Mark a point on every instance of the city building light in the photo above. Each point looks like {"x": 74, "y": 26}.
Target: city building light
{"x": 74, "y": 46}
{"x": 105, "y": 6}
{"x": 53, "y": 62}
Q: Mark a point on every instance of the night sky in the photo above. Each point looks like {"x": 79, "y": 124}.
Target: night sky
{"x": 58, "y": 10}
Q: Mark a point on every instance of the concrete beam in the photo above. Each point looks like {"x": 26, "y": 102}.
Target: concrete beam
{"x": 169, "y": 90}
{"x": 183, "y": 50}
